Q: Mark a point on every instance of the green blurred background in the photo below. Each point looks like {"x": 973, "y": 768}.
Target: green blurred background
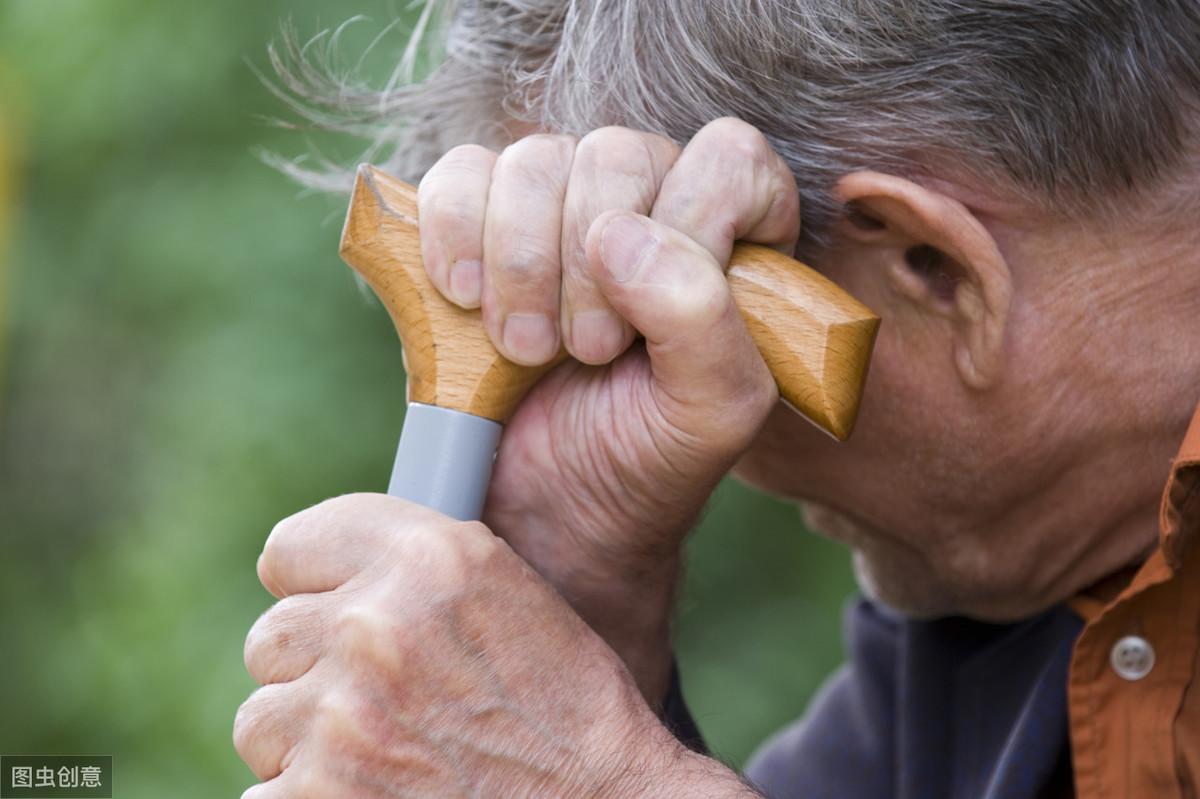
{"x": 184, "y": 360}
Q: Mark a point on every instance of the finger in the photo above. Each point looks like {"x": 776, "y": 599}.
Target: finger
{"x": 295, "y": 782}
{"x": 286, "y": 641}
{"x": 709, "y": 380}
{"x": 267, "y": 790}
{"x": 276, "y": 788}
{"x": 451, "y": 205}
{"x": 270, "y": 724}
{"x": 323, "y": 547}
{"x": 728, "y": 184}
{"x": 521, "y": 240}
{"x": 613, "y": 168}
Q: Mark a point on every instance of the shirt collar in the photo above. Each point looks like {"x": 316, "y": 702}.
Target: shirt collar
{"x": 1179, "y": 528}
{"x": 1179, "y": 518}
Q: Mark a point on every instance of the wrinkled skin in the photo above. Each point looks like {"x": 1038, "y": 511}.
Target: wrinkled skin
{"x": 399, "y": 659}
{"x": 386, "y": 694}
{"x": 1009, "y": 453}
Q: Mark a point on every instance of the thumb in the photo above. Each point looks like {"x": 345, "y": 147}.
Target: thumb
{"x": 709, "y": 380}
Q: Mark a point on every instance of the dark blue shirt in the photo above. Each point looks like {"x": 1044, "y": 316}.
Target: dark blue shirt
{"x": 952, "y": 709}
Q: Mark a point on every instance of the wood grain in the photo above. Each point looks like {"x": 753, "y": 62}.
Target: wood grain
{"x": 815, "y": 337}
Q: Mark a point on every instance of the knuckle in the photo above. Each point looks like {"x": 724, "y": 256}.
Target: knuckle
{"x": 400, "y": 524}
{"x": 749, "y": 156}
{"x": 614, "y": 150}
{"x": 434, "y": 551}
{"x": 283, "y": 542}
{"x": 361, "y": 619}
{"x": 464, "y": 161}
{"x": 242, "y": 723}
{"x": 336, "y": 711}
{"x": 367, "y": 634}
{"x": 472, "y": 155}
{"x": 276, "y": 550}
{"x": 252, "y": 720}
{"x": 331, "y": 512}
{"x": 475, "y": 542}
{"x": 738, "y": 138}
{"x": 452, "y": 555}
{"x": 256, "y": 650}
{"x": 452, "y": 197}
{"x": 616, "y": 162}
{"x": 785, "y": 202}
{"x": 540, "y": 145}
{"x": 272, "y": 633}
{"x": 539, "y": 159}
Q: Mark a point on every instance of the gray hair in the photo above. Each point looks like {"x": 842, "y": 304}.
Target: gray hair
{"x": 1075, "y": 106}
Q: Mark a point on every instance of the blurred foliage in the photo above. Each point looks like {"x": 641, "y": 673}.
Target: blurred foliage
{"x": 188, "y": 361}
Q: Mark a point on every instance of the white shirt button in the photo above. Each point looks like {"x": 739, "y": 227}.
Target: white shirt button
{"x": 1132, "y": 658}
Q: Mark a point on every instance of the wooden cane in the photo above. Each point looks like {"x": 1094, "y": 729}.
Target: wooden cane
{"x": 815, "y": 338}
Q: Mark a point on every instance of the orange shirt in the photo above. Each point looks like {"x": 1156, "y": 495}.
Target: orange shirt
{"x": 1133, "y": 696}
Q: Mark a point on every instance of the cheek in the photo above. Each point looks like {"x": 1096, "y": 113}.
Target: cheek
{"x": 912, "y": 406}
{"x": 890, "y": 461}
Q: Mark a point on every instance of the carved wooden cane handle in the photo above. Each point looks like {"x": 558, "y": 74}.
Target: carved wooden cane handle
{"x": 815, "y": 338}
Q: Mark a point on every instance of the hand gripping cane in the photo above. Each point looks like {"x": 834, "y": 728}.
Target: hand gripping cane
{"x": 815, "y": 338}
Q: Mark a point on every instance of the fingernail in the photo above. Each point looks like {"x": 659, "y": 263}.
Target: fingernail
{"x": 626, "y": 244}
{"x": 466, "y": 282}
{"x": 596, "y": 336}
{"x": 530, "y": 337}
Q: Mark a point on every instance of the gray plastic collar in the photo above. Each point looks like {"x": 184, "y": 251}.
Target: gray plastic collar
{"x": 445, "y": 460}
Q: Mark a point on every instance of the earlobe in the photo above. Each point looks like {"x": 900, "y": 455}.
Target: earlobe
{"x": 940, "y": 258}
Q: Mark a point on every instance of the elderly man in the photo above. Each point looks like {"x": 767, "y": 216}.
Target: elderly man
{"x": 1012, "y": 186}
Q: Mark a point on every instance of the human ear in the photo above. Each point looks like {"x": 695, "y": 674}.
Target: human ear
{"x": 939, "y": 260}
